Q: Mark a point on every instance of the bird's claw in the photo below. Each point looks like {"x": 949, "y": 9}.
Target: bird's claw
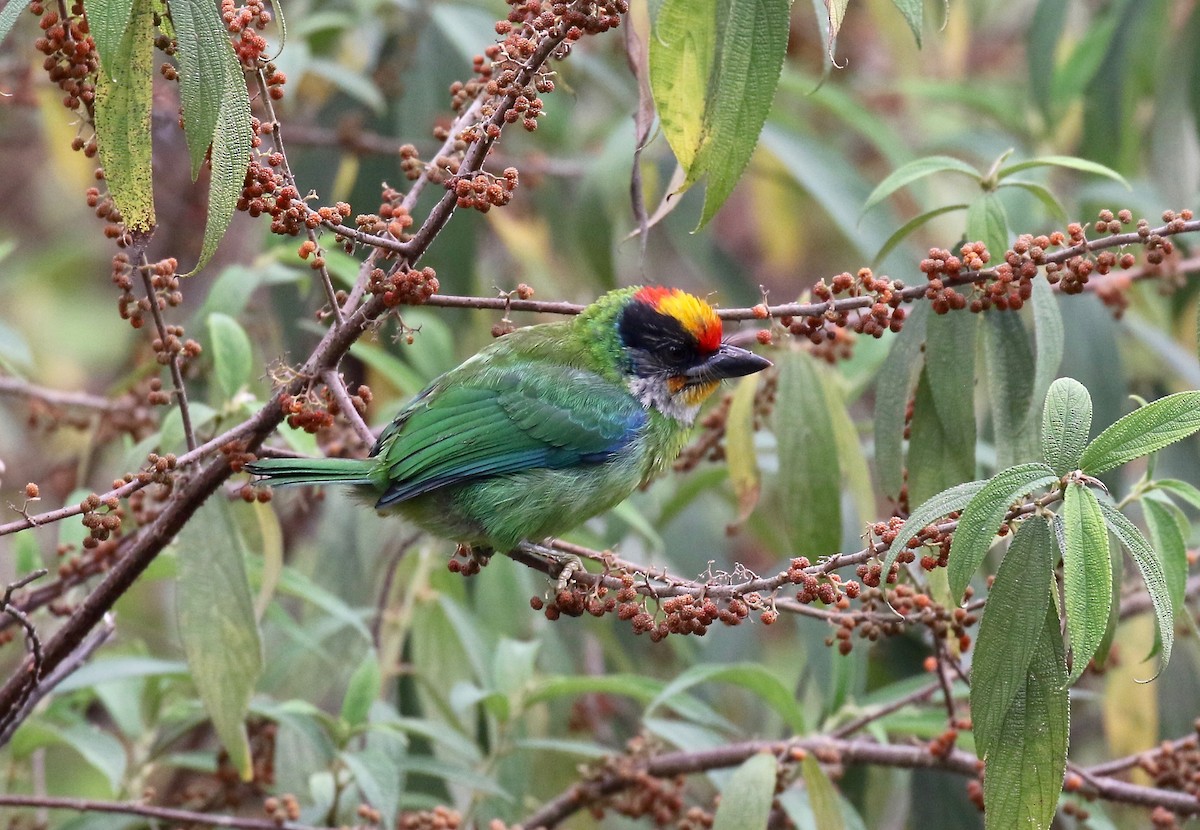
{"x": 571, "y": 565}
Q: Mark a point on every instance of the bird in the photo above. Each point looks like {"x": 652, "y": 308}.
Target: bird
{"x": 548, "y": 426}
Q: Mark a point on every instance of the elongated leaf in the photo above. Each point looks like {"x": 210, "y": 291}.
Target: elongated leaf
{"x": 378, "y": 771}
{"x": 9, "y": 16}
{"x": 683, "y": 48}
{"x": 984, "y": 515}
{"x": 217, "y": 625}
{"x": 897, "y": 376}
{"x": 1188, "y": 492}
{"x": 1004, "y": 650}
{"x": 822, "y": 795}
{"x": 1043, "y": 195}
{"x": 739, "y": 447}
{"x": 1028, "y": 757}
{"x": 362, "y": 690}
{"x": 1009, "y": 363}
{"x": 1071, "y": 162}
{"x": 1044, "y": 32}
{"x": 107, "y": 22}
{"x": 1143, "y": 431}
{"x": 1087, "y": 573}
{"x": 809, "y": 477}
{"x": 907, "y": 228}
{"x": 1051, "y": 341}
{"x": 713, "y": 85}
{"x": 851, "y": 459}
{"x": 232, "y": 355}
{"x": 216, "y": 111}
{"x": 1066, "y": 424}
{"x": 988, "y": 221}
{"x": 914, "y": 16}
{"x": 950, "y": 367}
{"x": 947, "y": 501}
{"x": 933, "y": 462}
{"x": 914, "y": 171}
{"x": 639, "y": 687}
{"x": 1171, "y": 545}
{"x": 750, "y": 676}
{"x": 123, "y": 104}
{"x": 1152, "y": 575}
{"x": 746, "y": 799}
{"x": 270, "y": 537}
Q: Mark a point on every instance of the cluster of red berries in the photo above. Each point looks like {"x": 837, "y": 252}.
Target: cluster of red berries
{"x": 100, "y": 525}
{"x": 403, "y": 286}
{"x": 71, "y": 59}
{"x": 265, "y": 190}
{"x": 1175, "y": 765}
{"x": 106, "y": 209}
{"x": 439, "y": 818}
{"x": 306, "y": 412}
{"x": 484, "y": 190}
{"x": 829, "y": 332}
{"x": 282, "y": 809}
{"x": 242, "y": 22}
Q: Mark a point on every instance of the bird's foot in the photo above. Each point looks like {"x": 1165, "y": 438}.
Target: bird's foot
{"x": 569, "y": 563}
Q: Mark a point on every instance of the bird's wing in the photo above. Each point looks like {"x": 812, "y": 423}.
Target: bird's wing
{"x": 503, "y": 422}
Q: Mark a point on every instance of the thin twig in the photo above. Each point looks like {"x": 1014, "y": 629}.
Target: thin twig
{"x": 98, "y": 637}
{"x": 167, "y": 814}
{"x": 32, "y": 642}
{"x": 160, "y": 325}
{"x": 264, "y": 95}
{"x": 337, "y": 388}
{"x": 18, "y": 388}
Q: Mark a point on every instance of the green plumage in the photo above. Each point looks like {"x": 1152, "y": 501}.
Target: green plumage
{"x": 527, "y": 439}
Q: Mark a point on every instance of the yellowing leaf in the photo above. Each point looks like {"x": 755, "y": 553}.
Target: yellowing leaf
{"x": 739, "y": 447}
{"x": 123, "y": 103}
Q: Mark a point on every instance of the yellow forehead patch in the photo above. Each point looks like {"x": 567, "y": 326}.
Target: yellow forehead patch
{"x": 697, "y": 316}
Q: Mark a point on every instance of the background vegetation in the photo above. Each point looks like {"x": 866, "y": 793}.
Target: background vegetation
{"x": 200, "y": 652}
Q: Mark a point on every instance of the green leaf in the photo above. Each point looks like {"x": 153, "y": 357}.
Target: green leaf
{"x": 914, "y": 15}
{"x": 1171, "y": 545}
{"x": 1051, "y": 341}
{"x": 1043, "y": 33}
{"x": 739, "y": 447}
{"x": 1066, "y": 424}
{"x": 987, "y": 221}
{"x": 809, "y": 477}
{"x": 123, "y": 104}
{"x": 907, "y": 228}
{"x": 270, "y": 536}
{"x": 1071, "y": 162}
{"x": 950, "y": 368}
{"x": 217, "y": 625}
{"x": 750, "y": 676}
{"x": 914, "y": 171}
{"x": 1153, "y": 575}
{"x": 1043, "y": 195}
{"x": 1087, "y": 572}
{"x": 1143, "y": 431}
{"x": 1024, "y": 772}
{"x": 983, "y": 516}
{"x": 362, "y": 690}
{"x": 897, "y": 376}
{"x": 233, "y": 359}
{"x": 822, "y": 795}
{"x": 120, "y": 668}
{"x": 1009, "y": 365}
{"x": 746, "y": 799}
{"x": 216, "y": 111}
{"x": 851, "y": 459}
{"x": 1016, "y": 606}
{"x": 731, "y": 70}
{"x": 683, "y": 48}
{"x": 107, "y": 22}
{"x": 378, "y": 771}
{"x": 9, "y": 16}
{"x": 947, "y": 501}
{"x": 1182, "y": 489}
{"x": 933, "y": 463}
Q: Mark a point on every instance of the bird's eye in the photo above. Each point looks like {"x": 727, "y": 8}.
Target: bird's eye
{"x": 675, "y": 352}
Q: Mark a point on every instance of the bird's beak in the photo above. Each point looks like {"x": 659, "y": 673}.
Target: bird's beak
{"x": 727, "y": 362}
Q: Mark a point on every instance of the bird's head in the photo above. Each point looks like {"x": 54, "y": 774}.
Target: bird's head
{"x": 674, "y": 357}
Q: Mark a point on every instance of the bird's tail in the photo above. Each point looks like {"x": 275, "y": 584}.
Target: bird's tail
{"x": 284, "y": 471}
